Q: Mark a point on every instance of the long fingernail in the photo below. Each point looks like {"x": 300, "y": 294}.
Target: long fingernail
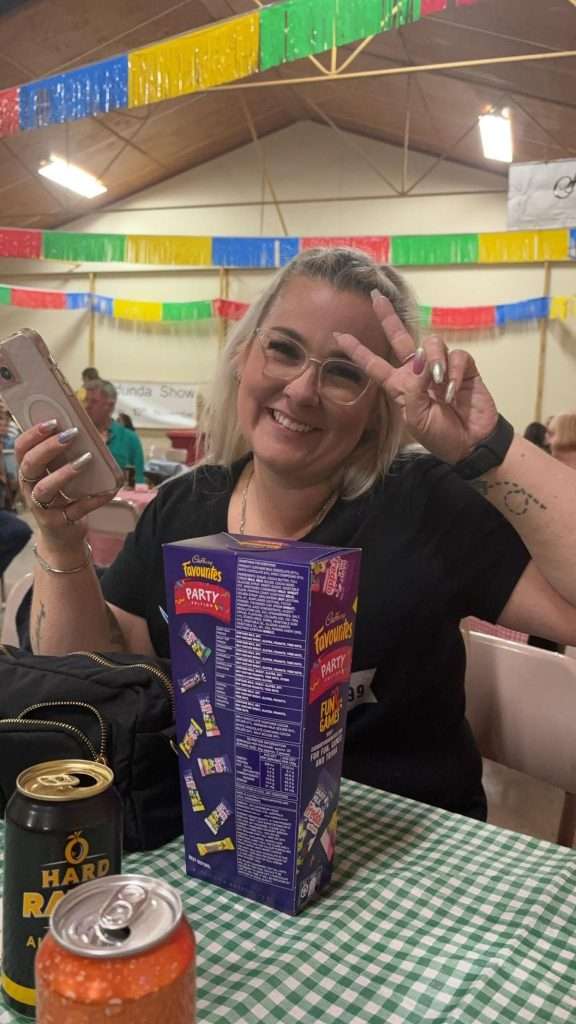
{"x": 419, "y": 361}
{"x": 450, "y": 392}
{"x": 82, "y": 461}
{"x": 67, "y": 435}
{"x": 438, "y": 372}
{"x": 48, "y": 427}
{"x": 375, "y": 294}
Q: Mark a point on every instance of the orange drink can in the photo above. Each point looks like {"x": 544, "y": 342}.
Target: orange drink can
{"x": 118, "y": 949}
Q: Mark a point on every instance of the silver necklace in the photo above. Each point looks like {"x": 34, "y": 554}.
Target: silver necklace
{"x": 315, "y": 522}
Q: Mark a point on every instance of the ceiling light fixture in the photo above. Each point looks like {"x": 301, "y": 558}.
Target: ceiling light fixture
{"x": 72, "y": 177}
{"x": 496, "y": 134}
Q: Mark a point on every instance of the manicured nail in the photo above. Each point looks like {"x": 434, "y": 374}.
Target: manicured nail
{"x": 419, "y": 361}
{"x": 67, "y": 435}
{"x": 82, "y": 461}
{"x": 48, "y": 427}
{"x": 450, "y": 392}
{"x": 438, "y": 372}
{"x": 375, "y": 294}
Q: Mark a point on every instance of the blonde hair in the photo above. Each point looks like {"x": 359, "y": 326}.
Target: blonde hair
{"x": 345, "y": 270}
{"x": 565, "y": 432}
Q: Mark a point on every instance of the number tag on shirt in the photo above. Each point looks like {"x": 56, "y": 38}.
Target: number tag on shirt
{"x": 360, "y": 689}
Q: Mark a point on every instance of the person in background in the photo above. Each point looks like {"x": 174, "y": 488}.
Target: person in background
{"x": 302, "y": 435}
{"x": 14, "y": 532}
{"x": 89, "y": 374}
{"x": 562, "y": 435}
{"x": 9, "y": 431}
{"x": 537, "y": 433}
{"x": 125, "y": 420}
{"x": 123, "y": 444}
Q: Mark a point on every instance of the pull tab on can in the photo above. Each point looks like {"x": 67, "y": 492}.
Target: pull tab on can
{"x": 116, "y": 916}
{"x": 121, "y": 911}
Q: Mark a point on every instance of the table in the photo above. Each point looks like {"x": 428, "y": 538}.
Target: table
{"x": 431, "y": 917}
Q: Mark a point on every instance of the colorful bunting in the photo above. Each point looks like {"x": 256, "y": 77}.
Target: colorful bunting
{"x": 253, "y": 252}
{"x": 376, "y": 247}
{"x": 433, "y": 250}
{"x": 434, "y": 317}
{"x": 18, "y": 243}
{"x": 72, "y": 95}
{"x": 223, "y": 52}
{"x": 194, "y": 61}
{"x": 555, "y": 245}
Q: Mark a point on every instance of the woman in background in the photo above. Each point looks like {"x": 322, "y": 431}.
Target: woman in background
{"x": 537, "y": 433}
{"x": 562, "y": 437}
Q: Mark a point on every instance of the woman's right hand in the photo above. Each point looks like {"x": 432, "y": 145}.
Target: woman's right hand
{"x": 59, "y": 520}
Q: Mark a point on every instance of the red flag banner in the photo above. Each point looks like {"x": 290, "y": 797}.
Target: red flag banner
{"x": 378, "y": 247}
{"x": 21, "y": 244}
{"x": 229, "y": 310}
{"x": 467, "y": 316}
{"x": 29, "y": 298}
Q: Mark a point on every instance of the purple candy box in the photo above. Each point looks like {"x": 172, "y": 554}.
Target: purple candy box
{"x": 270, "y": 624}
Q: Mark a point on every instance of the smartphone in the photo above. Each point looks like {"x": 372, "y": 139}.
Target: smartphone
{"x": 35, "y": 390}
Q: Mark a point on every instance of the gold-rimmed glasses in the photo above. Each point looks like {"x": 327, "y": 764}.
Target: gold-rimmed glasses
{"x": 339, "y": 380}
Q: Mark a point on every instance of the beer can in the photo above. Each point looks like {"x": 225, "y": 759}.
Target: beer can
{"x": 130, "y": 477}
{"x": 63, "y": 828}
{"x": 118, "y": 948}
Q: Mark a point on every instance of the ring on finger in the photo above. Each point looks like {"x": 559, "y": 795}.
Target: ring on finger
{"x": 41, "y": 504}
{"x": 407, "y": 358}
{"x": 67, "y": 520}
{"x": 28, "y": 479}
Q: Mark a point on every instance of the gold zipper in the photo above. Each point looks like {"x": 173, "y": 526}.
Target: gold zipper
{"x": 164, "y": 679}
{"x": 63, "y": 725}
{"x": 101, "y": 757}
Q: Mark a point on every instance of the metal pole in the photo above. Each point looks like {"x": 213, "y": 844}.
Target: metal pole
{"x": 92, "y": 322}
{"x": 543, "y": 349}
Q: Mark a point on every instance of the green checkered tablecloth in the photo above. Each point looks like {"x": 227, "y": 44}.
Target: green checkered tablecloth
{"x": 431, "y": 917}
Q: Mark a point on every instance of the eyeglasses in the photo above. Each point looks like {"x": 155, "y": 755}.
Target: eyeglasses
{"x": 339, "y": 380}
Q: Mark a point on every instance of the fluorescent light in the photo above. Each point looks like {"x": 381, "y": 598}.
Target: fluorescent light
{"x": 496, "y": 133}
{"x": 72, "y": 177}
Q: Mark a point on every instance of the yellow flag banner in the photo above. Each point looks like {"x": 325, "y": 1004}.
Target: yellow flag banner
{"x": 194, "y": 61}
{"x": 179, "y": 250}
{"x": 523, "y": 246}
{"x": 126, "y": 309}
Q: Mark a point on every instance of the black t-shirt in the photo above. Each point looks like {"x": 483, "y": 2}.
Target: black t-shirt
{"x": 434, "y": 551}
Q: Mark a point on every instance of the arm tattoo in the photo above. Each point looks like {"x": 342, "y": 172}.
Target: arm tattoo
{"x": 515, "y": 497}
{"x": 116, "y": 634}
{"x": 38, "y": 627}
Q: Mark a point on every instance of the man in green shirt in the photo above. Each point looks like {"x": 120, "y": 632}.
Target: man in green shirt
{"x": 123, "y": 444}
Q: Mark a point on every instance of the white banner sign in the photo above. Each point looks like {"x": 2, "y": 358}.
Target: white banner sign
{"x": 157, "y": 405}
{"x": 542, "y": 195}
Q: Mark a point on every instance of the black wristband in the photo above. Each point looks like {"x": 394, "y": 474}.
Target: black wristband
{"x": 488, "y": 453}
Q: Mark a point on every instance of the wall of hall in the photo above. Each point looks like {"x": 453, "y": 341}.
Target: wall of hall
{"x": 306, "y": 162}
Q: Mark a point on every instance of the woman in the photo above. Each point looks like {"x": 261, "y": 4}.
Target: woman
{"x": 310, "y": 395}
{"x": 562, "y": 438}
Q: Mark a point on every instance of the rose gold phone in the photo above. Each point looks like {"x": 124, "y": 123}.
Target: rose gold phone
{"x": 35, "y": 390}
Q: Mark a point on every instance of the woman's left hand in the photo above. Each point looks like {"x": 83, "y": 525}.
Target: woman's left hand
{"x": 446, "y": 405}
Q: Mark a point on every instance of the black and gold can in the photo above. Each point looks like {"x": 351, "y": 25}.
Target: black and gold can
{"x": 63, "y": 827}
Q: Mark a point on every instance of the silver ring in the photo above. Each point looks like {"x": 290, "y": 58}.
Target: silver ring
{"x": 67, "y": 520}
{"x": 40, "y": 504}
{"x": 28, "y": 479}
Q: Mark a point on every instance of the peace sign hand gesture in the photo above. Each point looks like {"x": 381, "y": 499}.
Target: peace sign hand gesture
{"x": 445, "y": 403}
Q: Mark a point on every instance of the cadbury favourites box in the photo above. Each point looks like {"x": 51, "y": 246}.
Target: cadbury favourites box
{"x": 261, "y": 635}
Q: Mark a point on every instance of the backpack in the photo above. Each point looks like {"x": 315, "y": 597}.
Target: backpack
{"x": 116, "y": 708}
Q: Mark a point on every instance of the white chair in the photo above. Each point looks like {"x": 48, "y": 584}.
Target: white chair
{"x": 521, "y": 705}
{"x": 107, "y": 528}
{"x": 9, "y": 633}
